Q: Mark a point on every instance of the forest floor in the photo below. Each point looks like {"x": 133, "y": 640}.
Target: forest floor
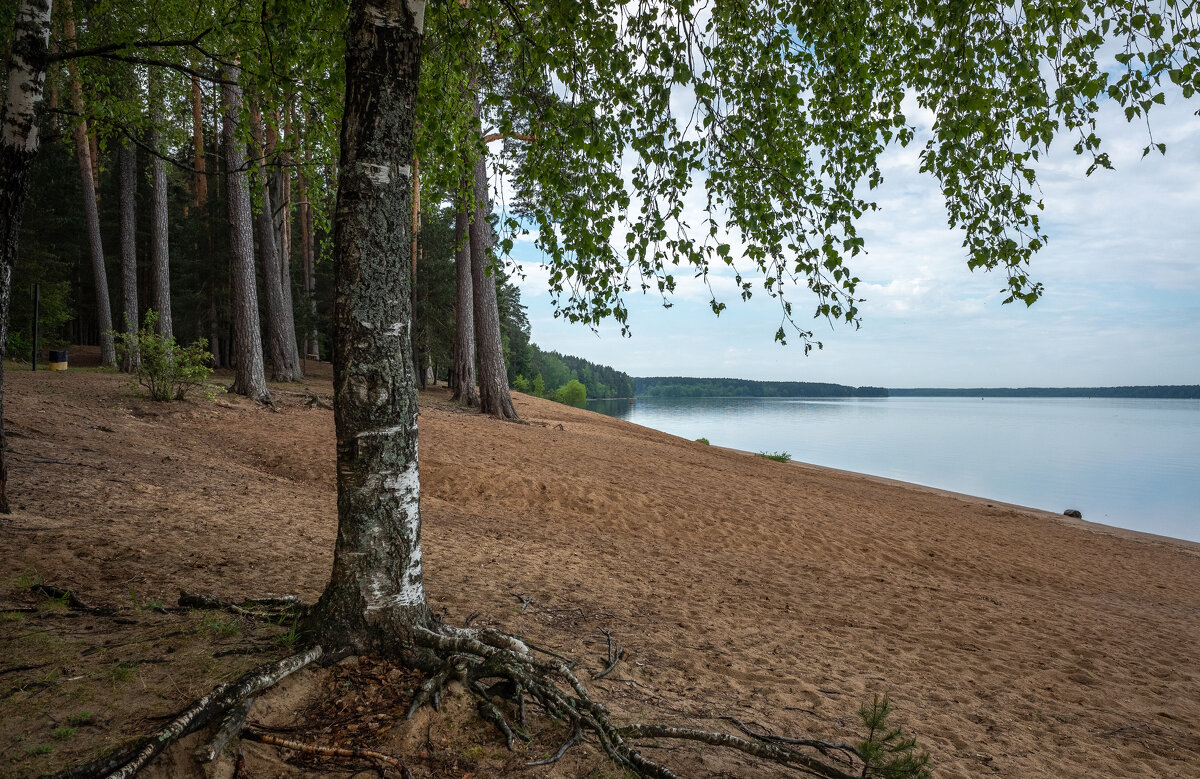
{"x": 1012, "y": 642}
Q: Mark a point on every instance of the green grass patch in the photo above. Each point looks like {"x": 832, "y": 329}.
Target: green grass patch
{"x": 221, "y": 627}
{"x": 779, "y": 457}
{"x": 64, "y": 732}
{"x": 122, "y": 672}
{"x": 702, "y": 441}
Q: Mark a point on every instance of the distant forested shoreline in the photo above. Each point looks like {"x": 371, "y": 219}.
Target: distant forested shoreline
{"x": 1171, "y": 391}
{"x": 688, "y": 387}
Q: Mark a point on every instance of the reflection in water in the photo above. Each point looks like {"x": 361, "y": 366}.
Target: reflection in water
{"x": 1130, "y": 463}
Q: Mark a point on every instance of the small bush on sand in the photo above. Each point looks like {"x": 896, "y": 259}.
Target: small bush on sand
{"x": 573, "y": 393}
{"x": 167, "y": 371}
{"x": 779, "y": 457}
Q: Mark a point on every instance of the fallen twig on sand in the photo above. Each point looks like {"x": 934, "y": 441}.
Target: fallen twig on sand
{"x": 316, "y": 749}
{"x": 615, "y": 653}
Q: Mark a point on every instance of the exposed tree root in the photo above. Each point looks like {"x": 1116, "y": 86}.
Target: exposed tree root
{"x": 70, "y": 598}
{"x": 129, "y": 760}
{"x": 473, "y": 657}
{"x": 229, "y": 729}
{"x": 316, "y": 749}
{"x": 501, "y": 673}
{"x": 251, "y": 607}
{"x": 767, "y": 751}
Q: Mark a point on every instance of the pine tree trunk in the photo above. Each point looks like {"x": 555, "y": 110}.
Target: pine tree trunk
{"x": 463, "y": 378}
{"x": 249, "y": 377}
{"x": 19, "y": 142}
{"x": 160, "y": 259}
{"x": 94, "y": 147}
{"x": 376, "y": 593}
{"x": 281, "y": 199}
{"x": 494, "y": 397}
{"x": 281, "y": 335}
{"x": 83, "y": 150}
{"x": 127, "y": 177}
{"x": 312, "y": 346}
{"x": 283, "y": 234}
{"x": 91, "y": 215}
{"x": 200, "y": 177}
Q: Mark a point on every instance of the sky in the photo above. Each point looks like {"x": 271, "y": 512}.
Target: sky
{"x": 1121, "y": 274}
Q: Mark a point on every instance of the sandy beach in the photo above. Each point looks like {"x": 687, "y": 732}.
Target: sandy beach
{"x": 1012, "y": 642}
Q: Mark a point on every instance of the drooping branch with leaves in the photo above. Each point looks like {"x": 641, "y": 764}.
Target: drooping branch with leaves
{"x": 661, "y": 138}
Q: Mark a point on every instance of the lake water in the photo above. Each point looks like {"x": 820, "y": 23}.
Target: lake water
{"x": 1130, "y": 463}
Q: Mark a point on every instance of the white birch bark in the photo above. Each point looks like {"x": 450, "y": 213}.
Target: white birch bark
{"x": 375, "y": 598}
{"x": 19, "y": 142}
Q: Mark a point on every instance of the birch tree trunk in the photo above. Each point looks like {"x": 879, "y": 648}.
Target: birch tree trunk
{"x": 376, "y": 593}
{"x": 83, "y": 151}
{"x": 19, "y": 142}
{"x": 127, "y": 197}
{"x": 249, "y": 377}
{"x": 160, "y": 259}
{"x": 463, "y": 378}
{"x": 281, "y": 334}
{"x": 494, "y": 397}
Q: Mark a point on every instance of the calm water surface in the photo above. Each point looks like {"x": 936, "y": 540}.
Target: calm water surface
{"x": 1130, "y": 463}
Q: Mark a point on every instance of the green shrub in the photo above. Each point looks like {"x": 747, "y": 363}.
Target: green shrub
{"x": 521, "y": 384}
{"x": 573, "y": 393}
{"x": 702, "y": 441}
{"x": 20, "y": 346}
{"x": 167, "y": 371}
{"x": 539, "y": 386}
{"x": 779, "y": 457}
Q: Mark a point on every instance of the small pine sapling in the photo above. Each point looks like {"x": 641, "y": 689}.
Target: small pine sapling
{"x": 887, "y": 753}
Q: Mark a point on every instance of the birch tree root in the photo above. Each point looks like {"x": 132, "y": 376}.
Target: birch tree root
{"x": 127, "y": 761}
{"x": 491, "y": 664}
{"x": 251, "y": 607}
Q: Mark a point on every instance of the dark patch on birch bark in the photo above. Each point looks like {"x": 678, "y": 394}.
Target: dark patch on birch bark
{"x": 463, "y": 376}
{"x": 24, "y": 79}
{"x": 376, "y": 593}
{"x": 249, "y": 375}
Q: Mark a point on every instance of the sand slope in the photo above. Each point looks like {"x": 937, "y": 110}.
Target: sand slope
{"x": 1012, "y": 643}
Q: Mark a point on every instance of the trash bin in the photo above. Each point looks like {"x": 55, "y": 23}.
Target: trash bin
{"x": 58, "y": 359}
